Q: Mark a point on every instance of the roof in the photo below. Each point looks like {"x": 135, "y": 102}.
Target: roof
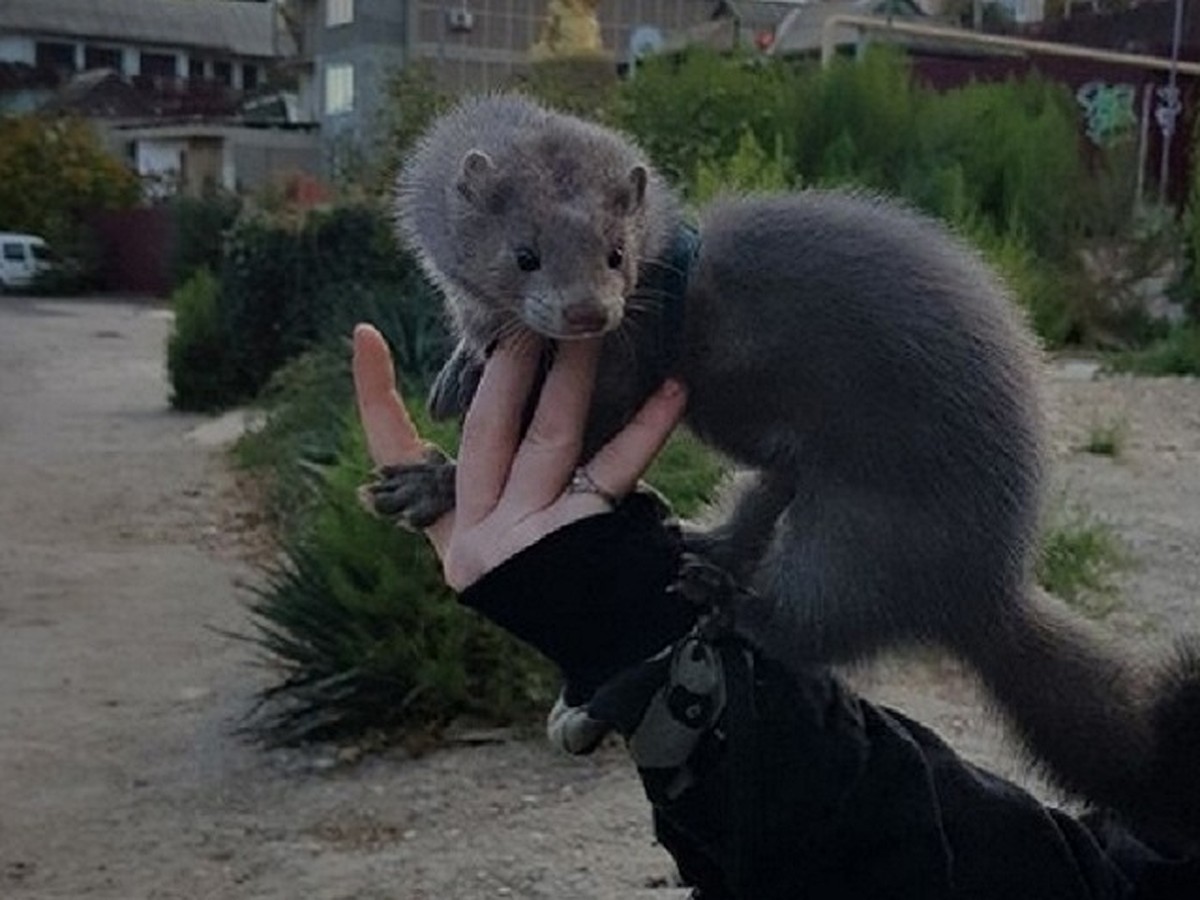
{"x": 234, "y": 27}
{"x": 100, "y": 93}
{"x": 792, "y": 26}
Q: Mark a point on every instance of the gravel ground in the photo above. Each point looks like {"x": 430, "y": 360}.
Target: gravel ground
{"x": 122, "y": 544}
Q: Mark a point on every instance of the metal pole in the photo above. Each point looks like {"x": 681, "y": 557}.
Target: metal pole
{"x": 1168, "y": 110}
{"x": 1143, "y": 147}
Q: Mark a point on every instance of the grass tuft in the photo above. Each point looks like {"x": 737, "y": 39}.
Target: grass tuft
{"x": 1079, "y": 560}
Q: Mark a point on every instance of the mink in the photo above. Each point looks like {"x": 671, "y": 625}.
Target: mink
{"x": 855, "y": 355}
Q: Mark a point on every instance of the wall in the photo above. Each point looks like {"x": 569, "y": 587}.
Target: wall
{"x": 135, "y": 250}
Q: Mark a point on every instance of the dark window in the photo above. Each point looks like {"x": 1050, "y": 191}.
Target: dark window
{"x": 158, "y": 64}
{"x": 195, "y": 68}
{"x": 14, "y": 252}
{"x": 102, "y": 58}
{"x": 60, "y": 57}
{"x": 223, "y": 72}
{"x": 249, "y": 77}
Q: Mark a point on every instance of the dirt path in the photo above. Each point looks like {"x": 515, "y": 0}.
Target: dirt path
{"x": 119, "y": 775}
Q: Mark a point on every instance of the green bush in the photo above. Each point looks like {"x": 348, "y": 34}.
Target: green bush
{"x": 196, "y": 346}
{"x": 287, "y": 287}
{"x": 750, "y": 169}
{"x": 1176, "y": 354}
{"x": 413, "y": 101}
{"x": 367, "y": 637}
{"x": 1079, "y": 560}
{"x": 1017, "y": 146}
{"x": 694, "y": 108}
{"x": 199, "y": 225}
{"x": 855, "y": 122}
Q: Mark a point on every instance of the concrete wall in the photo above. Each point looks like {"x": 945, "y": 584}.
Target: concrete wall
{"x": 374, "y": 44}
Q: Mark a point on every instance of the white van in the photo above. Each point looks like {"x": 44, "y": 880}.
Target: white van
{"x": 22, "y": 257}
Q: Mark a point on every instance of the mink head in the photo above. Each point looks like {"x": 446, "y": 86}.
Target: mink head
{"x": 549, "y": 233}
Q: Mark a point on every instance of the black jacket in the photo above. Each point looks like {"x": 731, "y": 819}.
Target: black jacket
{"x": 771, "y": 781}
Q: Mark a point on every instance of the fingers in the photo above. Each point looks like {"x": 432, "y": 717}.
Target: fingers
{"x": 550, "y": 451}
{"x": 492, "y": 429}
{"x": 619, "y": 464}
{"x": 391, "y": 437}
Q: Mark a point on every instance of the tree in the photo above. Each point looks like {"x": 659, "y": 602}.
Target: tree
{"x": 55, "y": 171}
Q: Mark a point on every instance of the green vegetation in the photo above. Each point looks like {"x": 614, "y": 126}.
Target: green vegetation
{"x": 1079, "y": 560}
{"x": 54, "y": 171}
{"x": 199, "y": 228}
{"x": 365, "y": 635}
{"x": 1107, "y": 438}
{"x": 1176, "y": 354}
{"x": 287, "y": 286}
{"x": 195, "y": 348}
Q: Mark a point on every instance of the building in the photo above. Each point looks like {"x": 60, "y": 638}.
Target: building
{"x": 165, "y": 81}
{"x": 232, "y": 44}
{"x": 349, "y": 48}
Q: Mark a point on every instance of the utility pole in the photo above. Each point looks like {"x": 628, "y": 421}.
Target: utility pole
{"x": 1169, "y": 106}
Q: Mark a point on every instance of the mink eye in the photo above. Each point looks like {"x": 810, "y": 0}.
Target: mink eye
{"x": 527, "y": 259}
{"x": 616, "y": 256}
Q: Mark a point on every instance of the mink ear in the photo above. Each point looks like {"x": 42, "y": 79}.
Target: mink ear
{"x": 475, "y": 174}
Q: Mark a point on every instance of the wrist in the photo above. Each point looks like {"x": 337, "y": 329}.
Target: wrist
{"x": 591, "y": 596}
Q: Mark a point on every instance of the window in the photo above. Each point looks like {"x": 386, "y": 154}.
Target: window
{"x": 249, "y": 77}
{"x": 14, "y": 252}
{"x": 161, "y": 65}
{"x": 223, "y": 72}
{"x": 102, "y": 58}
{"x": 339, "y": 88}
{"x": 195, "y": 68}
{"x": 339, "y": 12}
{"x": 52, "y": 55}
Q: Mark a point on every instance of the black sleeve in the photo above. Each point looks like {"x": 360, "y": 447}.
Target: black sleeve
{"x": 794, "y": 786}
{"x": 592, "y": 597}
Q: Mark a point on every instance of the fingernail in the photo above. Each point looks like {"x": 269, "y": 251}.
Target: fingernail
{"x": 672, "y": 387}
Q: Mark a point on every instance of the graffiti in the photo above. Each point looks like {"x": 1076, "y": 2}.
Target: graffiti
{"x": 1108, "y": 111}
{"x": 1169, "y": 108}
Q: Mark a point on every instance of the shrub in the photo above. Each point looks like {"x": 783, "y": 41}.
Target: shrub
{"x": 1017, "y": 147}
{"x": 367, "y": 637}
{"x": 199, "y": 225}
{"x": 580, "y": 85}
{"x": 1107, "y": 438}
{"x": 694, "y": 108}
{"x": 196, "y": 346}
{"x": 356, "y": 619}
{"x": 750, "y": 169}
{"x": 855, "y": 121}
{"x": 53, "y": 173}
{"x": 1178, "y": 353}
{"x": 413, "y": 101}
{"x": 287, "y": 287}
{"x": 1078, "y": 561}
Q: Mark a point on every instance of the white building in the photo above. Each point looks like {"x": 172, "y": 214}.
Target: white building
{"x": 190, "y": 64}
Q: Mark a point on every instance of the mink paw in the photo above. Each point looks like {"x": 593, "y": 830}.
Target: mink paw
{"x": 413, "y": 496}
{"x": 704, "y": 583}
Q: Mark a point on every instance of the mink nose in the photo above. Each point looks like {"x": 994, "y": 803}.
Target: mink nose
{"x": 583, "y": 318}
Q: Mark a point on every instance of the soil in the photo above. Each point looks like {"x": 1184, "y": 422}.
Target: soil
{"x": 124, "y": 548}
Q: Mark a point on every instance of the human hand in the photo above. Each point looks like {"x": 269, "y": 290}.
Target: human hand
{"x": 511, "y": 490}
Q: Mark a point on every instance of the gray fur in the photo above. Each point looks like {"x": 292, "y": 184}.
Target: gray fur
{"x": 873, "y": 371}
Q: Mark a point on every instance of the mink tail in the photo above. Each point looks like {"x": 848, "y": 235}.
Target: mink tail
{"x": 1120, "y": 736}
